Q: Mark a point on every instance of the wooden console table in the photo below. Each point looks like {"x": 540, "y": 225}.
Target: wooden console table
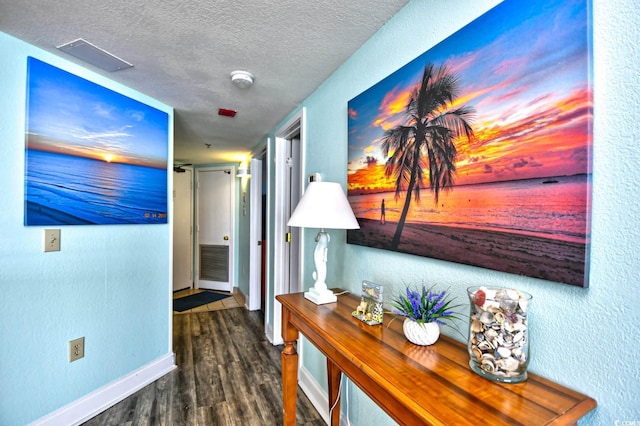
{"x": 431, "y": 385}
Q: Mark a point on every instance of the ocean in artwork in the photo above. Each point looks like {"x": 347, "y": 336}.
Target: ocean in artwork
{"x": 65, "y": 189}
{"x": 553, "y": 208}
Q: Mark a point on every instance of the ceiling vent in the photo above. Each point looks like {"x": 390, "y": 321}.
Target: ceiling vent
{"x": 92, "y": 54}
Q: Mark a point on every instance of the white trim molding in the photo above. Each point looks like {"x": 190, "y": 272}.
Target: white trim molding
{"x": 101, "y": 399}
{"x": 318, "y": 397}
{"x": 314, "y": 392}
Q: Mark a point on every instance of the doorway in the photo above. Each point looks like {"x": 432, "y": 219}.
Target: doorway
{"x": 289, "y": 143}
{"x": 182, "y": 230}
{"x": 214, "y": 228}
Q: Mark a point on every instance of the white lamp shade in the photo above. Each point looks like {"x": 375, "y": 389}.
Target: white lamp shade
{"x": 324, "y": 205}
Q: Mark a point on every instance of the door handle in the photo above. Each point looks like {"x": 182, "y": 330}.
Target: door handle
{"x": 288, "y": 237}
{"x": 226, "y": 238}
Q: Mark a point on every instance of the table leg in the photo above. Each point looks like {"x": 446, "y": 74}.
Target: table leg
{"x": 289, "y": 359}
{"x": 334, "y": 374}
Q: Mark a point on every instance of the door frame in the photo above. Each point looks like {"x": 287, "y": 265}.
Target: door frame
{"x": 232, "y": 234}
{"x": 296, "y": 124}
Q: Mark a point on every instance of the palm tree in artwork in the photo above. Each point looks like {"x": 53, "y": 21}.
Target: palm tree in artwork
{"x": 427, "y": 139}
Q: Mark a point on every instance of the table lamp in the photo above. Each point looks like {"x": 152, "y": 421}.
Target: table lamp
{"x": 325, "y": 206}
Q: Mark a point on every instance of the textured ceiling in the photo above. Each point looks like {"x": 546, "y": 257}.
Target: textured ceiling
{"x": 184, "y": 51}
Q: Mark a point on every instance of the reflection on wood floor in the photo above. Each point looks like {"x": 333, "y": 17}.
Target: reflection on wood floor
{"x": 228, "y": 374}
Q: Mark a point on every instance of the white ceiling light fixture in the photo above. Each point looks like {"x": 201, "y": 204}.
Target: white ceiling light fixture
{"x": 242, "y": 79}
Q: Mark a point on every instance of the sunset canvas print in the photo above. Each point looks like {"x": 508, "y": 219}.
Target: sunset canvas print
{"x": 93, "y": 156}
{"x": 479, "y": 150}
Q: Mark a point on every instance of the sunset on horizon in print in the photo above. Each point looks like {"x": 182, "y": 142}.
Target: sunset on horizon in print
{"x": 93, "y": 156}
{"x": 479, "y": 150}
{"x": 69, "y": 115}
{"x": 524, "y": 68}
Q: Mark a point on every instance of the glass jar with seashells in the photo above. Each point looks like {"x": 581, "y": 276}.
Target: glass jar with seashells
{"x": 498, "y": 333}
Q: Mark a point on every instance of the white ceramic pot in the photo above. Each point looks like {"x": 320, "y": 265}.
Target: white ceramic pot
{"x": 422, "y": 334}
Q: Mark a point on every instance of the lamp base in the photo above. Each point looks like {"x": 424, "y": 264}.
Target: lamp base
{"x": 320, "y": 297}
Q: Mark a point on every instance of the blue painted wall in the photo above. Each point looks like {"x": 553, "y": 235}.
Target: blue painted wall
{"x": 110, "y": 284}
{"x": 586, "y": 339}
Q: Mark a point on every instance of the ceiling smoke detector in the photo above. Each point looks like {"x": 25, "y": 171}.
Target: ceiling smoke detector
{"x": 242, "y": 79}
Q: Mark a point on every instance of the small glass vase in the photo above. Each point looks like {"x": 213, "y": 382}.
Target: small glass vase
{"x": 498, "y": 333}
{"x": 422, "y": 334}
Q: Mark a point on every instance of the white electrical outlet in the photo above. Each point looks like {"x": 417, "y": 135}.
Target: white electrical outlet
{"x": 51, "y": 240}
{"x": 76, "y": 349}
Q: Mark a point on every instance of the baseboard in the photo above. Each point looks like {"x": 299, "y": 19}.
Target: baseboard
{"x": 314, "y": 392}
{"x": 268, "y": 331}
{"x": 317, "y": 396}
{"x": 101, "y": 399}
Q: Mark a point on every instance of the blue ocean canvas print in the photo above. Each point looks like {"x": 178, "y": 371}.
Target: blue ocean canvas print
{"x": 93, "y": 156}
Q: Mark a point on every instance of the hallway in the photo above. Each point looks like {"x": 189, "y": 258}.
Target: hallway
{"x": 228, "y": 374}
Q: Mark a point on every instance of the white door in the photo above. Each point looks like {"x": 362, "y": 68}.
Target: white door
{"x": 182, "y": 230}
{"x": 255, "y": 236}
{"x": 215, "y": 228}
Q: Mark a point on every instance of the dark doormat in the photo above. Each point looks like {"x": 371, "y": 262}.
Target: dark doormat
{"x": 193, "y": 301}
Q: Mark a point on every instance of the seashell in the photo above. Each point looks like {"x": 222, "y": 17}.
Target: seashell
{"x": 486, "y": 317}
{"x": 503, "y": 352}
{"x": 489, "y": 293}
{"x": 512, "y": 294}
{"x": 492, "y": 306}
{"x": 508, "y": 364}
{"x": 518, "y": 336}
{"x": 479, "y": 337}
{"x": 488, "y": 357}
{"x": 519, "y": 354}
{"x": 476, "y": 326}
{"x": 491, "y": 334}
{"x": 488, "y": 366}
{"x": 523, "y": 303}
{"x": 511, "y": 317}
{"x": 499, "y": 317}
{"x": 477, "y": 353}
{"x": 509, "y": 327}
{"x": 479, "y": 297}
{"x": 484, "y": 346}
{"x": 509, "y": 304}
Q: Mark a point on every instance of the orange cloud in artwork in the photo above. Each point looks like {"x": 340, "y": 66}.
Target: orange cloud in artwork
{"x": 368, "y": 180}
{"x": 545, "y": 141}
{"x": 392, "y": 109}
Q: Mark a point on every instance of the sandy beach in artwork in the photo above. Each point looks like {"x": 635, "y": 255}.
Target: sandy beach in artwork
{"x": 533, "y": 256}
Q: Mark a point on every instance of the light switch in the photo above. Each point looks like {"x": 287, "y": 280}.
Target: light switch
{"x": 51, "y": 240}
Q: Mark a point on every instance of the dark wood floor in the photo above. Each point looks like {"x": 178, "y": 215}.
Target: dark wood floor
{"x": 228, "y": 374}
